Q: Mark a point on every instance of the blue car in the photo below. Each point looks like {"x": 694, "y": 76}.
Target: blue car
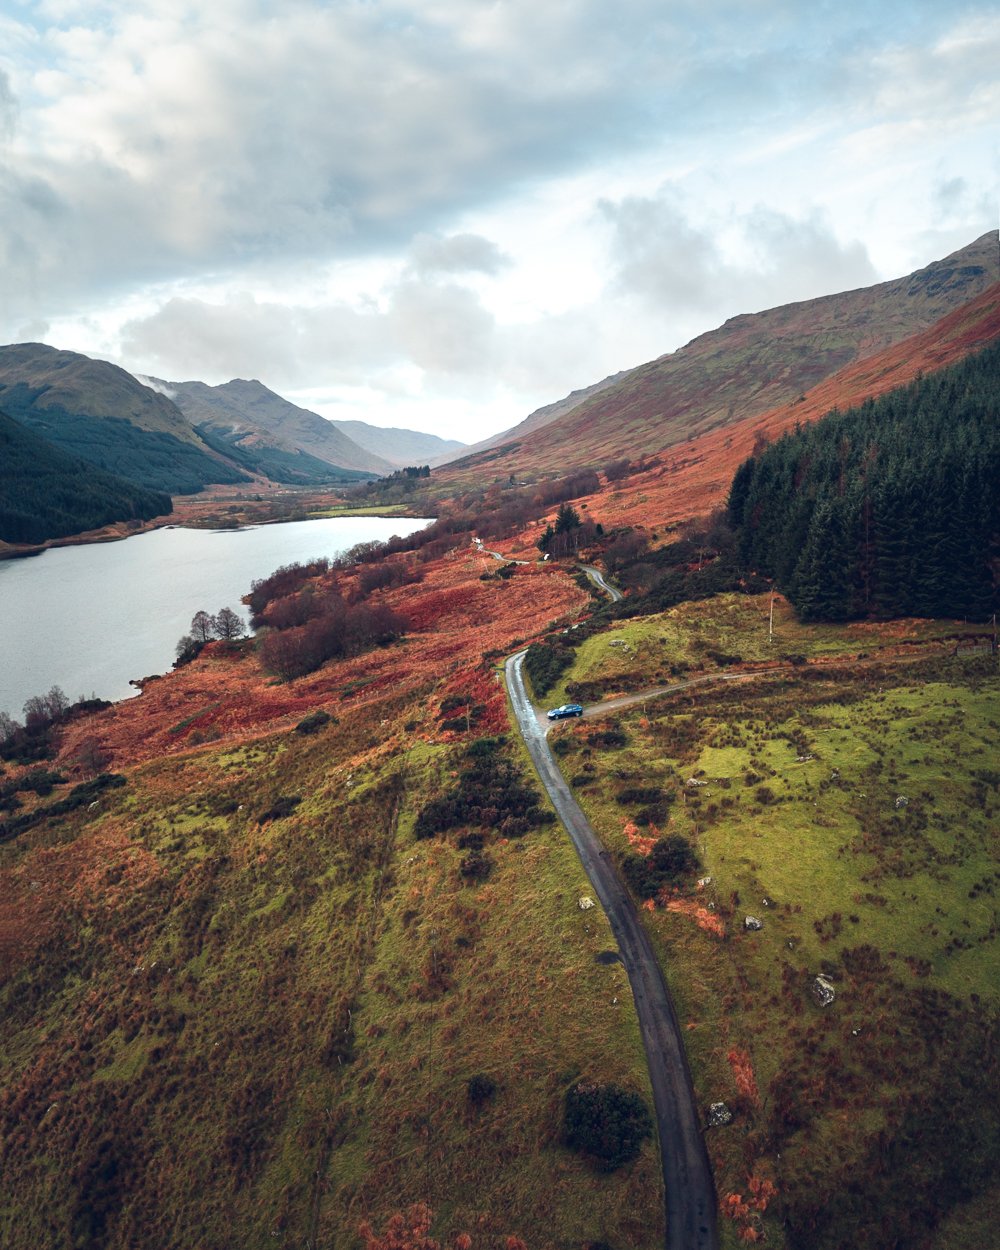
{"x": 565, "y": 709}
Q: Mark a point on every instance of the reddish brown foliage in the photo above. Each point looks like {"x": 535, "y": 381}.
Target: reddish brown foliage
{"x": 410, "y": 1230}
{"x": 742, "y": 1068}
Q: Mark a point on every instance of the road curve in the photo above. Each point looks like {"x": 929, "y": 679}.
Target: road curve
{"x": 597, "y": 577}
{"x": 687, "y": 1178}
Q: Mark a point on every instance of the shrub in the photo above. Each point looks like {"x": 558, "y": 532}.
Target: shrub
{"x": 314, "y": 722}
{"x": 480, "y": 1089}
{"x": 607, "y": 738}
{"x": 41, "y": 781}
{"x": 606, "y": 1122}
{"x": 490, "y": 794}
{"x": 545, "y": 664}
{"x": 282, "y": 806}
{"x": 671, "y": 860}
{"x": 640, "y": 794}
{"x": 476, "y": 866}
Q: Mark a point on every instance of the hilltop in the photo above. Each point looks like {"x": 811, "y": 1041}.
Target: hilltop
{"x": 747, "y": 367}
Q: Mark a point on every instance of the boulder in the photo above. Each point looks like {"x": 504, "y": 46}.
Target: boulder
{"x": 586, "y": 903}
{"x": 822, "y": 991}
{"x": 752, "y": 923}
{"x": 718, "y": 1115}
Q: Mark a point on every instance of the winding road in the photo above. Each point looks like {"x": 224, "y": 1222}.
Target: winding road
{"x": 687, "y": 1178}
{"x": 597, "y": 577}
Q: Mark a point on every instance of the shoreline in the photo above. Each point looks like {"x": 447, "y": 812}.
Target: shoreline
{"x": 188, "y": 518}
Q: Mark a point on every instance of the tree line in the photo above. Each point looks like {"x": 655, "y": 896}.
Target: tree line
{"x": 46, "y": 493}
{"x": 890, "y": 509}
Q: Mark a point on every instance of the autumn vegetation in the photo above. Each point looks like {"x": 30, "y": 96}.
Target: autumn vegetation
{"x": 291, "y": 945}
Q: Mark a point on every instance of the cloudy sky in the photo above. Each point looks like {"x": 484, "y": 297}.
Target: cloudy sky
{"x": 444, "y": 213}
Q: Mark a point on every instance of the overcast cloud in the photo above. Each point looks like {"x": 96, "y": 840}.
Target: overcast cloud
{"x": 445, "y": 214}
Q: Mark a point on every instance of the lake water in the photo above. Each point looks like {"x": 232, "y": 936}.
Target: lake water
{"x": 89, "y": 619}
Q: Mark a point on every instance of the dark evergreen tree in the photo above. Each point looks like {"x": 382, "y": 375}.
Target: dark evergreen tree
{"x": 890, "y": 509}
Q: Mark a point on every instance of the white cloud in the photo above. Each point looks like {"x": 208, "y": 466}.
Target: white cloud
{"x": 396, "y": 203}
{"x": 456, "y": 253}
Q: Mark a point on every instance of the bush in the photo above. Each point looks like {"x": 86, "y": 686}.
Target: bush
{"x": 491, "y": 794}
{"x": 671, "y": 860}
{"x": 640, "y": 794}
{"x": 480, "y": 1089}
{"x": 476, "y": 866}
{"x": 281, "y": 807}
{"x": 545, "y": 664}
{"x": 41, "y": 780}
{"x": 314, "y": 722}
{"x": 607, "y": 738}
{"x": 606, "y": 1122}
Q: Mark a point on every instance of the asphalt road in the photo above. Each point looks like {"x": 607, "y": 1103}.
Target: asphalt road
{"x": 687, "y": 1178}
{"x": 597, "y": 577}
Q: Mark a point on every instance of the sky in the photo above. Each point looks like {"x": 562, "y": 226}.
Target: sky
{"x": 442, "y": 214}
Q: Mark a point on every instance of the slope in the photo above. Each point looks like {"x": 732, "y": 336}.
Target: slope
{"x": 749, "y": 365}
{"x": 696, "y": 477}
{"x": 99, "y": 413}
{"x": 223, "y": 424}
{"x": 399, "y": 447}
{"x": 45, "y": 493}
{"x": 250, "y": 406}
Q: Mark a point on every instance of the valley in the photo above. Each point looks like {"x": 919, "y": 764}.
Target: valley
{"x": 295, "y": 943}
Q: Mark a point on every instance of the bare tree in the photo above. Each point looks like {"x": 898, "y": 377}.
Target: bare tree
{"x": 9, "y": 728}
{"x": 92, "y": 756}
{"x": 202, "y": 626}
{"x": 36, "y": 714}
{"x": 57, "y": 703}
{"x": 228, "y": 625}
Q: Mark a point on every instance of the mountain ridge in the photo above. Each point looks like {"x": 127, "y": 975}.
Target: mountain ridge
{"x": 751, "y": 363}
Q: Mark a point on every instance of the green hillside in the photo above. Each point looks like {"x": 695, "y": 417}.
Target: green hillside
{"x": 286, "y": 464}
{"x": 95, "y": 411}
{"x": 45, "y": 493}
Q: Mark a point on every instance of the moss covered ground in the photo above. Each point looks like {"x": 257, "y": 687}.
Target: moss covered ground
{"x": 853, "y": 807}
{"x": 223, "y": 1026}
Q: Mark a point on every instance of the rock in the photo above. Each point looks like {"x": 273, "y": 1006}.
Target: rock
{"x": 718, "y": 1115}
{"x": 586, "y": 903}
{"x": 703, "y": 881}
{"x": 822, "y": 991}
{"x": 767, "y": 901}
{"x": 901, "y": 801}
{"x": 752, "y": 924}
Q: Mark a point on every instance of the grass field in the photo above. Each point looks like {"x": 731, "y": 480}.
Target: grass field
{"x": 853, "y": 809}
{"x": 245, "y": 1004}
{"x": 714, "y": 634}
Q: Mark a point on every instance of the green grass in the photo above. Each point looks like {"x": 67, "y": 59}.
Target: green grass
{"x": 842, "y": 866}
{"x": 235, "y": 1022}
{"x": 654, "y": 650}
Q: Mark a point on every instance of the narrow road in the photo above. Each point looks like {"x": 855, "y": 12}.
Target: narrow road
{"x": 597, "y": 577}
{"x": 687, "y": 1178}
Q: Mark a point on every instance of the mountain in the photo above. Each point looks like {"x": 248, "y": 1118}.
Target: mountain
{"x": 45, "y": 493}
{"x": 545, "y": 415}
{"x": 224, "y": 425}
{"x": 99, "y": 413}
{"x": 694, "y": 478}
{"x": 402, "y": 448}
{"x": 751, "y": 364}
{"x": 247, "y": 415}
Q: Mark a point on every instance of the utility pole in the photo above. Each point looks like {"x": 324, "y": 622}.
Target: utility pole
{"x": 770, "y": 623}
